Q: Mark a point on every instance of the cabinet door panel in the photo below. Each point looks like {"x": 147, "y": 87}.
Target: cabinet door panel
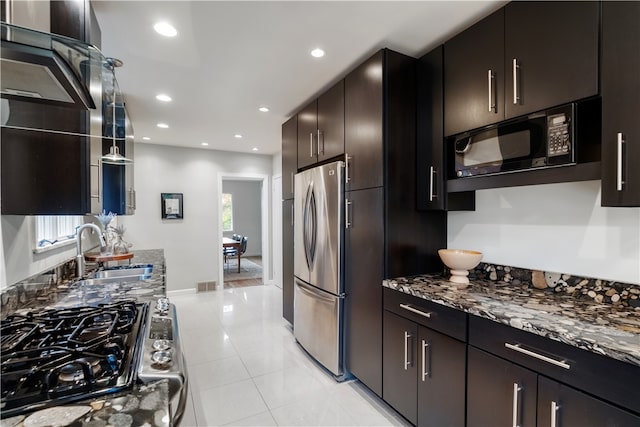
{"x": 441, "y": 379}
{"x": 331, "y": 122}
{"x": 364, "y": 271}
{"x": 574, "y": 408}
{"x": 468, "y": 58}
{"x": 307, "y": 134}
{"x": 363, "y": 110}
{"x": 620, "y": 102}
{"x": 555, "y": 45}
{"x": 289, "y": 155}
{"x": 400, "y": 365}
{"x": 491, "y": 394}
{"x": 287, "y": 260}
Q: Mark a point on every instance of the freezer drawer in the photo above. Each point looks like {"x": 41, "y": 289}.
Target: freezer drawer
{"x": 317, "y": 318}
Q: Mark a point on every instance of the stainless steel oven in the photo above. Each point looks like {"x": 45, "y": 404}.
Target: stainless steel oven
{"x": 559, "y": 136}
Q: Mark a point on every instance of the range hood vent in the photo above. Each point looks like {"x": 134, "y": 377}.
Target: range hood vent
{"x": 47, "y": 68}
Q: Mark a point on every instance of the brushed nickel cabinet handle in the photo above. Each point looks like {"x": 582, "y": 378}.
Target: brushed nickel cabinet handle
{"x": 554, "y": 412}
{"x": 320, "y": 135}
{"x": 619, "y": 181}
{"x": 516, "y": 396}
{"x": 519, "y": 349}
{"x": 415, "y": 310}
{"x": 426, "y": 367}
{"x": 432, "y": 173}
{"x": 347, "y": 157}
{"x": 490, "y": 79}
{"x": 516, "y": 98}
{"x": 311, "y": 144}
{"x": 347, "y": 220}
{"x": 407, "y": 363}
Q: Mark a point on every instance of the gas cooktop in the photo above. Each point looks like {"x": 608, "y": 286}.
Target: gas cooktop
{"x": 57, "y": 356}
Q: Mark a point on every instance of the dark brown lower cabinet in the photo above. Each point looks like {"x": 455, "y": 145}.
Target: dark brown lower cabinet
{"x": 423, "y": 373}
{"x": 499, "y": 393}
{"x": 562, "y": 406}
{"x": 364, "y": 271}
{"x": 287, "y": 260}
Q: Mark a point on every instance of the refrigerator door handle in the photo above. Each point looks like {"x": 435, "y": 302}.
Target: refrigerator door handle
{"x": 309, "y": 226}
{"x": 316, "y": 295}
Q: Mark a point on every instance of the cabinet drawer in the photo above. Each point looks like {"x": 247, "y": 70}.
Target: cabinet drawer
{"x": 602, "y": 376}
{"x": 435, "y": 316}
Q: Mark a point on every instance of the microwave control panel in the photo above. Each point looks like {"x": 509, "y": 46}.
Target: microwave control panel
{"x": 558, "y": 135}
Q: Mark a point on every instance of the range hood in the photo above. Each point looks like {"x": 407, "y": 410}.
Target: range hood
{"x": 47, "y": 68}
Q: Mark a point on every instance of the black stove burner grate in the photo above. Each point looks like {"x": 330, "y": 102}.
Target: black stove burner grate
{"x": 54, "y": 356}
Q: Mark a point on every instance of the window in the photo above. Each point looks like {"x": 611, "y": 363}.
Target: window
{"x": 227, "y": 212}
{"x": 55, "y": 229}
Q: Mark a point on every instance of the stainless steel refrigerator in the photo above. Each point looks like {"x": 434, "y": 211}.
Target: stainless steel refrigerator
{"x": 318, "y": 264}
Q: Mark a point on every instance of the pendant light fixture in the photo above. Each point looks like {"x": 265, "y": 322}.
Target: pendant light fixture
{"x": 114, "y": 157}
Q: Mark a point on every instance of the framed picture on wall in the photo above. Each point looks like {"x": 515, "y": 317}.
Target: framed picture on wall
{"x": 171, "y": 207}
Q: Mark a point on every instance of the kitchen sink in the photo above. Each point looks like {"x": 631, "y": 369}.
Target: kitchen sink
{"x": 104, "y": 280}
{"x": 139, "y": 271}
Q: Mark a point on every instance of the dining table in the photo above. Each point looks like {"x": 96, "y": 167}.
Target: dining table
{"x": 228, "y": 242}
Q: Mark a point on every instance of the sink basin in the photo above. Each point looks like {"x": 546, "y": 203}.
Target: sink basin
{"x": 103, "y": 280}
{"x": 139, "y": 272}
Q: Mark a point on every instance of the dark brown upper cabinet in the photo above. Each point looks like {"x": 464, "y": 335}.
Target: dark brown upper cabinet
{"x": 474, "y": 76}
{"x": 321, "y": 128}
{"x": 524, "y": 58}
{"x": 431, "y": 186}
{"x": 289, "y": 156}
{"x": 620, "y": 103}
{"x": 551, "y": 54}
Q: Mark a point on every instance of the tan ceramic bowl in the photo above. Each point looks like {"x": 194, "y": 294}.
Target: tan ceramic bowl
{"x": 460, "y": 261}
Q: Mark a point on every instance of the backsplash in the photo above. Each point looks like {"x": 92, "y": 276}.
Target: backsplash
{"x": 43, "y": 287}
{"x": 598, "y": 290}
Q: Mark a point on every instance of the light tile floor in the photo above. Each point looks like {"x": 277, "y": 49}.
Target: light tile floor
{"x": 246, "y": 369}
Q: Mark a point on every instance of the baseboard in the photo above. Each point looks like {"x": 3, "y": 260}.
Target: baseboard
{"x": 182, "y": 292}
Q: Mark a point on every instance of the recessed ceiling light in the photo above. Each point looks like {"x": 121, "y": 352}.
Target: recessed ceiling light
{"x": 162, "y": 97}
{"x": 317, "y": 53}
{"x": 165, "y": 29}
{"x": 237, "y": 135}
{"x": 264, "y": 109}
{"x": 146, "y": 138}
{"x": 163, "y": 125}
{"x": 254, "y": 149}
{"x": 204, "y": 144}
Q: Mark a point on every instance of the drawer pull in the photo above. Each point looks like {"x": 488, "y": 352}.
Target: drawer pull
{"x": 516, "y": 347}
{"x": 415, "y": 310}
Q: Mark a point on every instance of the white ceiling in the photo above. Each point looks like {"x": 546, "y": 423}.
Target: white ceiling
{"x": 232, "y": 57}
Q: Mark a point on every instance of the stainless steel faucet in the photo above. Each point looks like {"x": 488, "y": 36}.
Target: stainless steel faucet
{"x": 79, "y": 255}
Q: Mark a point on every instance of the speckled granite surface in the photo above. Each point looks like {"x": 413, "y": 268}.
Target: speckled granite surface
{"x": 607, "y": 328}
{"x": 144, "y": 405}
{"x": 58, "y": 287}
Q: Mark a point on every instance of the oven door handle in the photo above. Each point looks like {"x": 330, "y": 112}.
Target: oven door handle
{"x": 182, "y": 401}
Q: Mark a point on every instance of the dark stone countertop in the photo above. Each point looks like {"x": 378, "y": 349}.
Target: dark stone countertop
{"x": 607, "y": 329}
{"x": 145, "y": 404}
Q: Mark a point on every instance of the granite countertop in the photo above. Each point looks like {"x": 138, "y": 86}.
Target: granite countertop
{"x": 610, "y": 329}
{"x": 144, "y": 404}
{"x": 54, "y": 289}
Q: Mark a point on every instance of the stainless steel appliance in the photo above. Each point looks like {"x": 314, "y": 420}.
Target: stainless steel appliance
{"x": 559, "y": 136}
{"x": 57, "y": 356}
{"x": 318, "y": 264}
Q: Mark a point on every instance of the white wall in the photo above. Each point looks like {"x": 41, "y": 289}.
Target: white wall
{"x": 247, "y": 212}
{"x": 556, "y": 227}
{"x": 190, "y": 244}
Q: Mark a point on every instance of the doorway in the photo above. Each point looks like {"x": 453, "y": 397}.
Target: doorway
{"x": 243, "y": 212}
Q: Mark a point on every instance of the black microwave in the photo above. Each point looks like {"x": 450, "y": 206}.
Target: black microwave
{"x": 560, "y": 136}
